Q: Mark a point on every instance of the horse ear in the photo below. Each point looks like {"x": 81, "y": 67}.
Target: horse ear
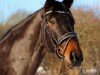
{"x": 68, "y": 3}
{"x": 49, "y": 3}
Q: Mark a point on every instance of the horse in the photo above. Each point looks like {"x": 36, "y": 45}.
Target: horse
{"x": 51, "y": 28}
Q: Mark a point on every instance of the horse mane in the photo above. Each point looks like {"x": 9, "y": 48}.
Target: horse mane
{"x": 25, "y": 22}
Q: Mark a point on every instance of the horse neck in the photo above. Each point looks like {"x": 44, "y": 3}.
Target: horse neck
{"x": 19, "y": 43}
{"x": 38, "y": 55}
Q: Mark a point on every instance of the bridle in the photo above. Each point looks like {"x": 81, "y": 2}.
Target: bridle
{"x": 57, "y": 42}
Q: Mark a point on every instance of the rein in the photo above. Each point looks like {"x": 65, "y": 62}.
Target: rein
{"x": 57, "y": 42}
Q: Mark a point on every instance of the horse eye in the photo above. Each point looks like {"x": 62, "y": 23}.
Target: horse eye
{"x": 52, "y": 21}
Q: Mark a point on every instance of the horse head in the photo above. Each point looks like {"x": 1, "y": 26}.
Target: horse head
{"x": 60, "y": 35}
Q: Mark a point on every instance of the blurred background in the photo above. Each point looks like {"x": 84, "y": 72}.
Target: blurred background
{"x": 87, "y": 17}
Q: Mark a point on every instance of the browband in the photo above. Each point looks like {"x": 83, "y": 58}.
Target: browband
{"x": 62, "y": 12}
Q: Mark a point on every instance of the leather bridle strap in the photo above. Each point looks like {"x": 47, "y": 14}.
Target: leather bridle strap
{"x": 66, "y": 36}
{"x": 52, "y": 38}
{"x": 57, "y": 42}
{"x": 50, "y": 34}
{"x": 61, "y": 12}
{"x": 67, "y": 39}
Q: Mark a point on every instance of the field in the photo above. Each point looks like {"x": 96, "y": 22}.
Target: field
{"x": 88, "y": 28}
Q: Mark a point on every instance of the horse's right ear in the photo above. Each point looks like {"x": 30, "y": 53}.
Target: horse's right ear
{"x": 49, "y": 3}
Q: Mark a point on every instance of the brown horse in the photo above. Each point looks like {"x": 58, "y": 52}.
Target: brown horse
{"x": 51, "y": 28}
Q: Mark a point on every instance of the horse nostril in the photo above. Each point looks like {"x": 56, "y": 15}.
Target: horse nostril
{"x": 75, "y": 59}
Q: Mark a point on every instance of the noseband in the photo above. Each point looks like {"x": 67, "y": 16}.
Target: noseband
{"x": 57, "y": 42}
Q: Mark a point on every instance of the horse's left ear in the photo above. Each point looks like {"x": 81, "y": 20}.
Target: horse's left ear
{"x": 68, "y": 3}
{"x": 49, "y": 3}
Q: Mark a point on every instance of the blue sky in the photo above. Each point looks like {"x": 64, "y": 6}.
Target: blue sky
{"x": 9, "y": 7}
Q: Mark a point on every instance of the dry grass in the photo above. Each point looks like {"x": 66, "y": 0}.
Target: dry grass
{"x": 13, "y": 20}
{"x": 88, "y": 29}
